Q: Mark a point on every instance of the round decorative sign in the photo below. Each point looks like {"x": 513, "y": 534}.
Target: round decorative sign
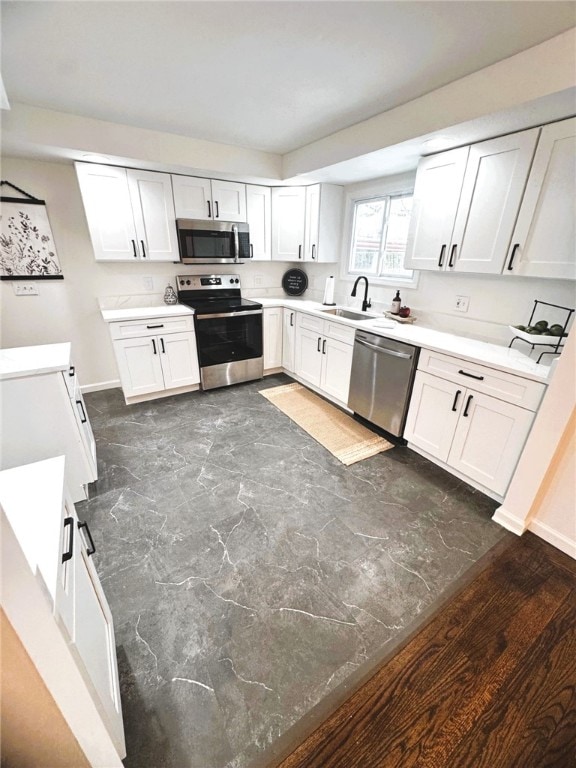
{"x": 295, "y": 282}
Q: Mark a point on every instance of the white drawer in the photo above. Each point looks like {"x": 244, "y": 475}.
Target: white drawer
{"x": 505, "y": 386}
{"x": 152, "y": 326}
{"x": 339, "y": 331}
{"x": 311, "y": 322}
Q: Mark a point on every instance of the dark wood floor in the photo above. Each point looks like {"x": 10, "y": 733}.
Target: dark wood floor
{"x": 489, "y": 682}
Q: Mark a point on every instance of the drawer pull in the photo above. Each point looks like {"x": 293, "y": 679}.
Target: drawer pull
{"x": 83, "y": 418}
{"x": 156, "y": 326}
{"x": 217, "y": 209}
{"x": 162, "y": 345}
{"x": 299, "y": 251}
{"x": 89, "y": 550}
{"x": 452, "y": 254}
{"x": 143, "y": 249}
{"x": 209, "y": 211}
{"x": 68, "y": 555}
{"x": 324, "y": 347}
{"x": 291, "y": 319}
{"x": 442, "y": 253}
{"x": 154, "y": 346}
{"x": 319, "y": 343}
{"x": 72, "y": 371}
{"x": 471, "y": 376}
{"x": 134, "y": 248}
{"x": 470, "y": 398}
{"x": 456, "y": 396}
{"x": 313, "y": 249}
{"x": 512, "y": 255}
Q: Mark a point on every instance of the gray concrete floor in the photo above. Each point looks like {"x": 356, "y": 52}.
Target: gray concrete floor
{"x": 249, "y": 572}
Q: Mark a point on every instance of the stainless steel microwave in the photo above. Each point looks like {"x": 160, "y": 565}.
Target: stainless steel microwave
{"x": 213, "y": 242}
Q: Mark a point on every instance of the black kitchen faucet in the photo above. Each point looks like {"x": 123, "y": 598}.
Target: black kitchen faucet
{"x": 366, "y": 301}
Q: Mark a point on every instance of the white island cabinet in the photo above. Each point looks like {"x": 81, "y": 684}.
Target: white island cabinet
{"x": 52, "y": 597}
{"x": 44, "y": 414}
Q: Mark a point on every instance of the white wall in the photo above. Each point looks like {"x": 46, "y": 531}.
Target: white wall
{"x": 69, "y": 309}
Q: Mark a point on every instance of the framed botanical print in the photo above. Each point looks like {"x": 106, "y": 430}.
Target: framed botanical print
{"x": 27, "y": 248}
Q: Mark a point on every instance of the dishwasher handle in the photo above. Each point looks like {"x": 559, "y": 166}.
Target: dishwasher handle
{"x": 384, "y": 350}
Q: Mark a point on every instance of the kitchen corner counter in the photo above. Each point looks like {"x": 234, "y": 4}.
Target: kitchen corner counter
{"x": 144, "y": 313}
{"x": 34, "y": 360}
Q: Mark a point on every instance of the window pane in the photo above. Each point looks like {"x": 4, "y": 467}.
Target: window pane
{"x": 394, "y": 247}
{"x": 367, "y": 236}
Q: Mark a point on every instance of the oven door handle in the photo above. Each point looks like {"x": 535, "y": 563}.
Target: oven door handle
{"x": 230, "y": 314}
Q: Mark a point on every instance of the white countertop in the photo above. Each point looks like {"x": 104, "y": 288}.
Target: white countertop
{"x": 31, "y": 497}
{"x": 494, "y": 355}
{"x": 31, "y": 361}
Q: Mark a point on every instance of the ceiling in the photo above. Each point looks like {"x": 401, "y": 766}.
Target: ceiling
{"x": 271, "y": 76}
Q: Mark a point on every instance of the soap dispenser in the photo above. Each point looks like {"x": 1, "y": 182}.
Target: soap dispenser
{"x": 396, "y": 304}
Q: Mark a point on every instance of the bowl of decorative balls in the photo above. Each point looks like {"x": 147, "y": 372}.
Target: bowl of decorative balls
{"x": 539, "y": 333}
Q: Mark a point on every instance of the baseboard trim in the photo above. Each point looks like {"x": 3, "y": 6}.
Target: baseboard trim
{"x": 509, "y": 521}
{"x": 558, "y": 540}
{"x": 100, "y": 386}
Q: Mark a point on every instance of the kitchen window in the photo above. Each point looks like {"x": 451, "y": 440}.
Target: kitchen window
{"x": 379, "y": 236}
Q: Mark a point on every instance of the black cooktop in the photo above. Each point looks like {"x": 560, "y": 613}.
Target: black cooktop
{"x": 219, "y": 305}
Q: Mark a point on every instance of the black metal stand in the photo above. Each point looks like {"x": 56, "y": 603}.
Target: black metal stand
{"x": 559, "y": 345}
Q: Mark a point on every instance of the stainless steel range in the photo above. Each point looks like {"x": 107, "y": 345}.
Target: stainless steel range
{"x": 228, "y": 329}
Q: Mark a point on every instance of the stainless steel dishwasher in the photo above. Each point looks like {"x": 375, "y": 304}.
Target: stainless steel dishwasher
{"x": 381, "y": 382}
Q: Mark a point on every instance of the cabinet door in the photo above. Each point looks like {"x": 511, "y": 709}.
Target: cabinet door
{"x": 288, "y": 339}
{"x": 192, "y": 197}
{"x": 108, "y": 208}
{"x": 495, "y": 179}
{"x": 288, "y": 211}
{"x": 433, "y": 414}
{"x": 312, "y": 229}
{"x": 272, "y": 338}
{"x": 436, "y": 195}
{"x": 336, "y": 368}
{"x": 94, "y": 638}
{"x": 179, "y": 359}
{"x": 545, "y": 233}
{"x": 229, "y": 200}
{"x": 308, "y": 355}
{"x": 259, "y": 218}
{"x": 489, "y": 439}
{"x": 154, "y": 216}
{"x": 139, "y": 365}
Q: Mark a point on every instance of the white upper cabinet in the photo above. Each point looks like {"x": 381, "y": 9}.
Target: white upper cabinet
{"x": 209, "y": 199}
{"x": 307, "y": 223}
{"x": 436, "y": 195}
{"x": 259, "y": 218}
{"x": 130, "y": 213}
{"x": 466, "y": 202}
{"x": 543, "y": 241}
{"x": 288, "y": 215}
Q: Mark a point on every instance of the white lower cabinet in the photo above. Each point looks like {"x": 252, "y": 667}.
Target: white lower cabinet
{"x": 323, "y": 355}
{"x": 477, "y": 435}
{"x": 288, "y": 339}
{"x": 272, "y": 337}
{"x": 53, "y": 598}
{"x": 155, "y": 355}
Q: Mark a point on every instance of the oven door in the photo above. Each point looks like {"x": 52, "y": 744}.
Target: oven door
{"x": 229, "y": 347}
{"x": 211, "y": 242}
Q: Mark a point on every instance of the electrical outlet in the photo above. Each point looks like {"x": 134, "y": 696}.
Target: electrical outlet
{"x": 148, "y": 283}
{"x": 25, "y": 289}
{"x": 462, "y": 303}
{"x": 258, "y": 280}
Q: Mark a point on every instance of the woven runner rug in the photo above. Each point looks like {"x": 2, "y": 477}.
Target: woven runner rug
{"x": 345, "y": 438}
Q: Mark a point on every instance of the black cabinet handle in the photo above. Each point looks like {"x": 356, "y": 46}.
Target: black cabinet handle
{"x": 470, "y": 397}
{"x": 134, "y": 249}
{"x": 313, "y": 249}
{"x": 209, "y": 210}
{"x": 442, "y": 254}
{"x": 143, "y": 249}
{"x": 471, "y": 376}
{"x": 162, "y": 345}
{"x": 512, "y": 255}
{"x": 154, "y": 346}
{"x": 72, "y": 371}
{"x": 299, "y": 251}
{"x": 217, "y": 208}
{"x": 456, "y": 396}
{"x": 292, "y": 319}
{"x": 251, "y": 251}
{"x": 319, "y": 343}
{"x": 161, "y": 325}
{"x": 452, "y": 254}
{"x": 69, "y": 521}
{"x": 324, "y": 347}
{"x": 92, "y": 549}
{"x": 83, "y": 418}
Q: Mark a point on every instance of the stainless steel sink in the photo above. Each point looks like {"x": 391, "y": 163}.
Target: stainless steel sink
{"x": 348, "y": 314}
